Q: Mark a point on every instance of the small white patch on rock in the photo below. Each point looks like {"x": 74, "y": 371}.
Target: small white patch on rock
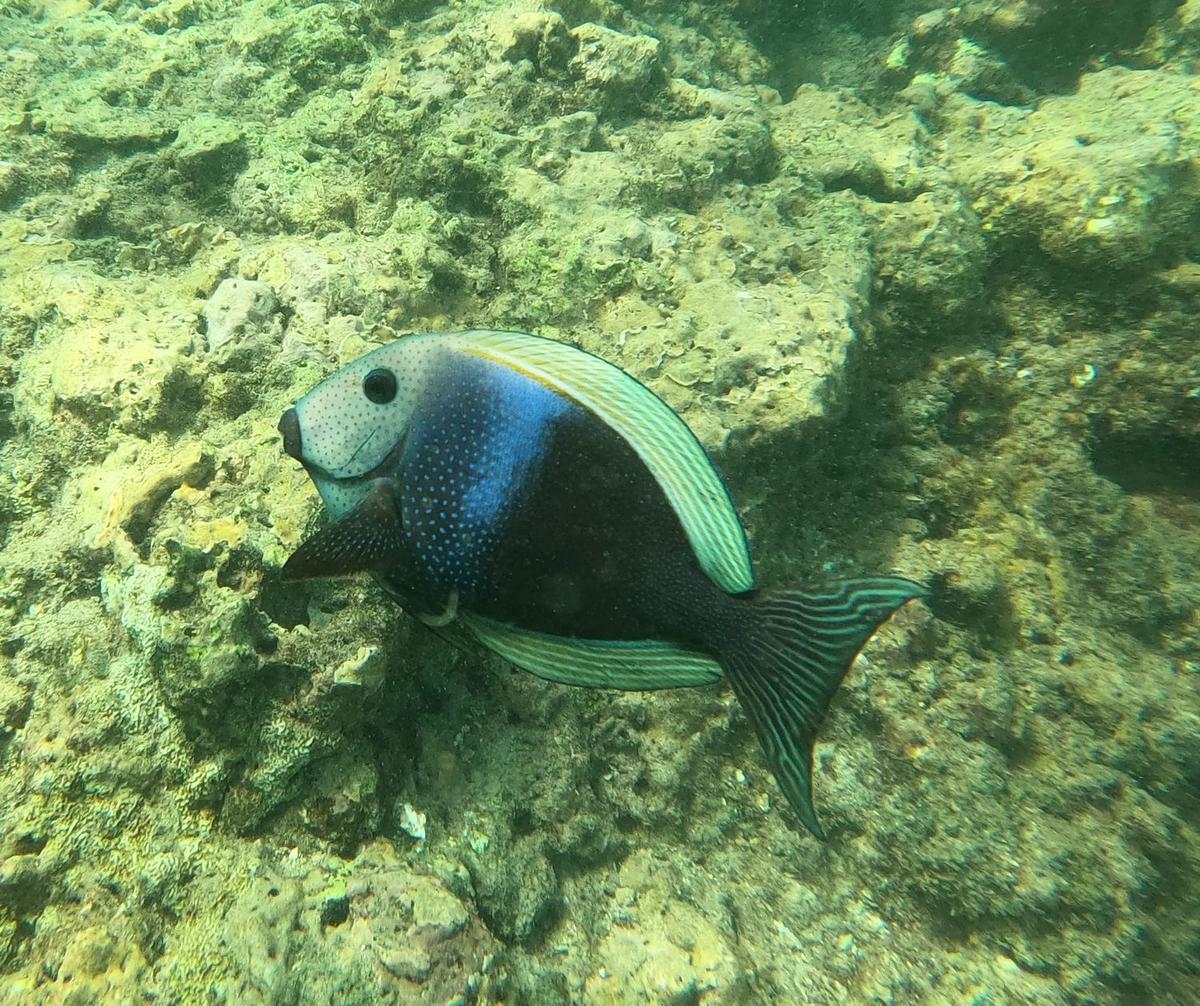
{"x": 363, "y": 670}
{"x": 412, "y": 822}
{"x": 241, "y": 314}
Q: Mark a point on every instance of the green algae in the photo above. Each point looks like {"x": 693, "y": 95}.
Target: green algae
{"x": 925, "y": 279}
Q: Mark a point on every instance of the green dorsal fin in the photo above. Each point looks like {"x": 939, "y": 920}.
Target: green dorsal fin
{"x": 662, "y": 440}
{"x": 594, "y": 663}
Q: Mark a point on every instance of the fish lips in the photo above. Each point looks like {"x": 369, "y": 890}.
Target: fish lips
{"x": 289, "y": 427}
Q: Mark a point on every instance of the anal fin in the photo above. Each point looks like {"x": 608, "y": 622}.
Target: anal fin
{"x": 631, "y": 665}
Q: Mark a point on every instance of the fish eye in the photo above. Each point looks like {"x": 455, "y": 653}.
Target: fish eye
{"x": 380, "y": 386}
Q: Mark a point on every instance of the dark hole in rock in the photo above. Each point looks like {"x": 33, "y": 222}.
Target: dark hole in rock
{"x": 522, "y": 821}
{"x": 285, "y": 604}
{"x": 1148, "y": 462}
{"x": 626, "y": 823}
{"x": 28, "y": 844}
{"x": 335, "y": 911}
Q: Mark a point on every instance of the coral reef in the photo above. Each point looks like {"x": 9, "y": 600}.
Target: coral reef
{"x": 924, "y": 280}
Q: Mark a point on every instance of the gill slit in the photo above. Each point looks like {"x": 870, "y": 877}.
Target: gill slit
{"x": 359, "y": 449}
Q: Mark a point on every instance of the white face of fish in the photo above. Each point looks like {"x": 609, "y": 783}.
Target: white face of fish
{"x": 348, "y": 425}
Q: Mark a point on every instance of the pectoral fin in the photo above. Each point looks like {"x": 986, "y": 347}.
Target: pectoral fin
{"x": 368, "y": 539}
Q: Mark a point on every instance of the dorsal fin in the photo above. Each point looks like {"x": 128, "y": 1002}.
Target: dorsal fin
{"x": 661, "y": 439}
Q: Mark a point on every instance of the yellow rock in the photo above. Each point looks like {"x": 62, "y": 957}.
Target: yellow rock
{"x": 204, "y": 534}
{"x": 136, "y": 492}
{"x": 97, "y": 968}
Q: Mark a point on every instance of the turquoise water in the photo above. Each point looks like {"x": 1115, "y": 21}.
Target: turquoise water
{"x": 923, "y": 281}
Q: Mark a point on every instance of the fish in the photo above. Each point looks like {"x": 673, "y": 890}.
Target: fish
{"x": 519, "y": 493}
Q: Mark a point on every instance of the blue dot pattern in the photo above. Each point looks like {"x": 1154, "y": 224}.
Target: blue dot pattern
{"x": 476, "y": 441}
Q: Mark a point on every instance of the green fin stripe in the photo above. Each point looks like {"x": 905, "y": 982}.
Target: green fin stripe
{"x": 800, "y": 698}
{"x": 843, "y": 627}
{"x": 857, "y": 594}
{"x": 629, "y": 665}
{"x": 828, "y": 623}
{"x": 662, "y": 440}
{"x": 789, "y": 751}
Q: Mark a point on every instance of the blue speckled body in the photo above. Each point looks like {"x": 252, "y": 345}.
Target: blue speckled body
{"x": 532, "y": 513}
{"x": 480, "y": 438}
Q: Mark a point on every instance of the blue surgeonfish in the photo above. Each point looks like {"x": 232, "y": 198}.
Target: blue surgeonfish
{"x": 520, "y": 493}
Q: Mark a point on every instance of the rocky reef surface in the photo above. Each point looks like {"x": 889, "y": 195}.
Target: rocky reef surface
{"x": 924, "y": 279}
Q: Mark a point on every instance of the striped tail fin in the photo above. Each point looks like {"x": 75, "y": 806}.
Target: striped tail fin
{"x": 786, "y": 668}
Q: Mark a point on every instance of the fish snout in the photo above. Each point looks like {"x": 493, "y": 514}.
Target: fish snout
{"x": 289, "y": 426}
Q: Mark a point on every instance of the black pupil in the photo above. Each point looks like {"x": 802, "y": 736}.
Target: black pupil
{"x": 380, "y": 386}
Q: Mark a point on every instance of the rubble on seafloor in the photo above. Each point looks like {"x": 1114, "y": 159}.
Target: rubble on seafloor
{"x": 924, "y": 280}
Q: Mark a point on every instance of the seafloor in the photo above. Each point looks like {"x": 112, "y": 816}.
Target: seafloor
{"x": 925, "y": 280}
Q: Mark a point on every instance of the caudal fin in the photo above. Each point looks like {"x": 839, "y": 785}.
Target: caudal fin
{"x": 791, "y": 661}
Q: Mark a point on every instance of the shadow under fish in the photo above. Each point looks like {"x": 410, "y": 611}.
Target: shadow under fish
{"x": 523, "y": 494}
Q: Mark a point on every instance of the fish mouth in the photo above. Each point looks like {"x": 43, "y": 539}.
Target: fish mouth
{"x": 289, "y": 427}
{"x": 293, "y": 447}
